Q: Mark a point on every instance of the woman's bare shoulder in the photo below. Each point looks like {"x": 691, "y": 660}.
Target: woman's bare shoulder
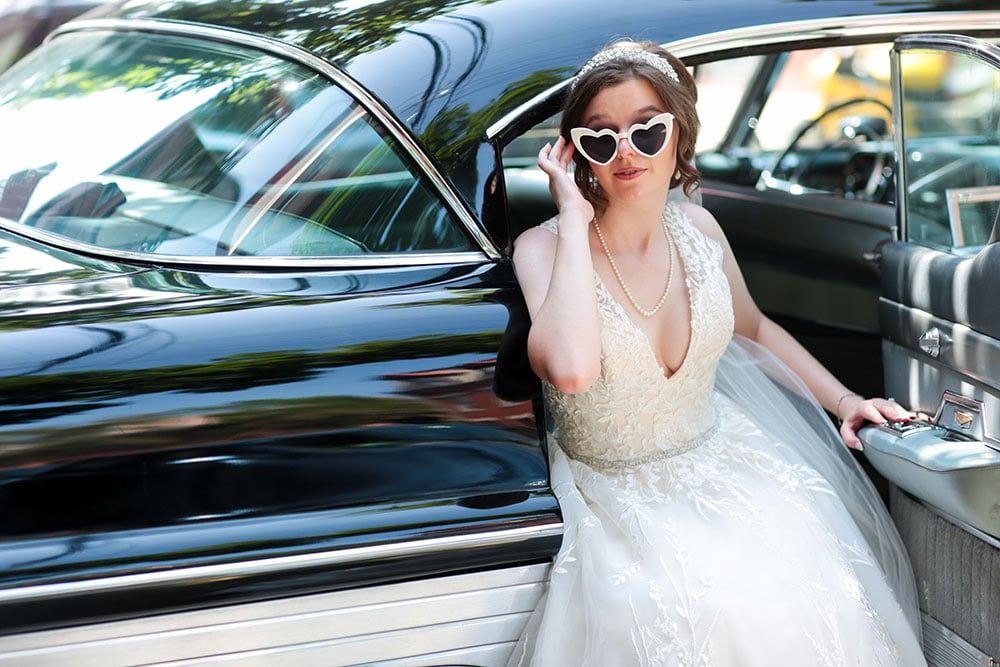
{"x": 704, "y": 221}
{"x": 540, "y": 238}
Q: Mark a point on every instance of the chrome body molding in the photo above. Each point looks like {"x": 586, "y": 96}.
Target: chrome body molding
{"x": 265, "y": 566}
{"x": 324, "y": 67}
{"x": 241, "y": 263}
{"x": 468, "y": 619}
{"x": 944, "y": 648}
{"x": 799, "y": 33}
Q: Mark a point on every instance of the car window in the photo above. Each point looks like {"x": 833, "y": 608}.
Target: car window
{"x": 817, "y": 121}
{"x": 951, "y": 128}
{"x": 722, "y": 85}
{"x": 170, "y": 146}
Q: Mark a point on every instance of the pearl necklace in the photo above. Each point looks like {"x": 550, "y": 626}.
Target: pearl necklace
{"x": 614, "y": 267}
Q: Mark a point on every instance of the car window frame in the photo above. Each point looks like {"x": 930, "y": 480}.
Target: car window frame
{"x": 961, "y": 44}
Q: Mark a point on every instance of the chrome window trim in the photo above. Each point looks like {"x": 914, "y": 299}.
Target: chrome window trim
{"x": 339, "y": 557}
{"x": 793, "y": 32}
{"x": 276, "y": 263}
{"x": 931, "y": 41}
{"x": 300, "y": 56}
{"x": 963, "y": 44}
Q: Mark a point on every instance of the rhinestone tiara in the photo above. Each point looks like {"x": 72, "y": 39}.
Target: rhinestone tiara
{"x": 632, "y": 54}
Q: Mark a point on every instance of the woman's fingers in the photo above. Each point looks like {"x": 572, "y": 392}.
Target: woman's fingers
{"x": 558, "y": 155}
{"x": 874, "y": 410}
{"x": 554, "y": 159}
{"x": 566, "y": 153}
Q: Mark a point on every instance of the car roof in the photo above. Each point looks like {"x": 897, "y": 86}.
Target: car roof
{"x": 448, "y": 69}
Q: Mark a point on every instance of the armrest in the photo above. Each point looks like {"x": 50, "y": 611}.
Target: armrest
{"x": 947, "y": 470}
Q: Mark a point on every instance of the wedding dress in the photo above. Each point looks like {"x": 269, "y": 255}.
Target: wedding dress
{"x": 712, "y": 517}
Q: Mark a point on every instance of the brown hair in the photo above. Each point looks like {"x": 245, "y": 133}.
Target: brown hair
{"x": 679, "y": 98}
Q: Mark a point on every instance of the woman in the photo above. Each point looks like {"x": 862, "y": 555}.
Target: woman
{"x": 713, "y": 515}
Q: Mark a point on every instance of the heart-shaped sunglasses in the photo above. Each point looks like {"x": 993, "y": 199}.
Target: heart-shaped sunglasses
{"x": 601, "y": 146}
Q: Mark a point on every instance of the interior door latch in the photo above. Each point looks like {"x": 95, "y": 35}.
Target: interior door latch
{"x": 933, "y": 342}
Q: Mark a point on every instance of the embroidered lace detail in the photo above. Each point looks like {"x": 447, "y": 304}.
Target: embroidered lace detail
{"x": 633, "y": 411}
{"x": 625, "y": 464}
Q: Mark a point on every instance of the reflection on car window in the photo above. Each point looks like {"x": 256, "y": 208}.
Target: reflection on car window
{"x": 721, "y": 87}
{"x": 169, "y": 146}
{"x": 951, "y": 115}
{"x": 819, "y": 122}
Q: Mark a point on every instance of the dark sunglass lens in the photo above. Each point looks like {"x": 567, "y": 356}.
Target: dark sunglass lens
{"x": 599, "y": 149}
{"x": 651, "y": 140}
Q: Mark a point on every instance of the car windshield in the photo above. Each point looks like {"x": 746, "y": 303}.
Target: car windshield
{"x": 171, "y": 146}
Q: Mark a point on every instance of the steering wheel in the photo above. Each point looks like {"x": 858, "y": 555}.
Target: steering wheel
{"x": 874, "y": 184}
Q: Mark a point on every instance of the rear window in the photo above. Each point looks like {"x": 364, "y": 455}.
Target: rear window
{"x": 171, "y": 146}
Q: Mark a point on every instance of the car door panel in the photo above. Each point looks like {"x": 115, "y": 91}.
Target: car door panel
{"x": 809, "y": 264}
{"x": 792, "y": 248}
{"x": 346, "y": 435}
{"x": 941, "y": 349}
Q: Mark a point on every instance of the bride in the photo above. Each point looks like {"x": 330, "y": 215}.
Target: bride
{"x": 713, "y": 514}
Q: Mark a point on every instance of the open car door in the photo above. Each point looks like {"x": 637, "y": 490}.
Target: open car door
{"x": 940, "y": 318}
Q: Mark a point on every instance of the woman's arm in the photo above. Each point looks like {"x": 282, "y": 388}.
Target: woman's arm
{"x": 556, "y": 275}
{"x": 854, "y": 410}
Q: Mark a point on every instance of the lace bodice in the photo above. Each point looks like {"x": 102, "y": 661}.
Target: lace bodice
{"x": 633, "y": 412}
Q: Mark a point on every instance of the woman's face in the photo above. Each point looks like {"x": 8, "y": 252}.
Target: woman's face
{"x": 630, "y": 176}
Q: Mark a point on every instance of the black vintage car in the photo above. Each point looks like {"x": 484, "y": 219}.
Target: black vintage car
{"x": 263, "y": 396}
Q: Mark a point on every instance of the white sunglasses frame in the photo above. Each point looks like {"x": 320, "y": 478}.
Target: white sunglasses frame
{"x": 577, "y": 133}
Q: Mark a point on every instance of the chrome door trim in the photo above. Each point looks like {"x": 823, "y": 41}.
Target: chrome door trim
{"x": 307, "y": 59}
{"x": 470, "y": 619}
{"x": 967, "y": 351}
{"x": 278, "y": 564}
{"x": 798, "y": 33}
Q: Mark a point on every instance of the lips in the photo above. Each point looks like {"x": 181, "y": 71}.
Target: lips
{"x": 628, "y": 173}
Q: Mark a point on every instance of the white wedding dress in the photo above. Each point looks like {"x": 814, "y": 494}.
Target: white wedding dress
{"x": 712, "y": 517}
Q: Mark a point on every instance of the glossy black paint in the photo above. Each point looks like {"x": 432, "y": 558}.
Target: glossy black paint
{"x": 154, "y": 417}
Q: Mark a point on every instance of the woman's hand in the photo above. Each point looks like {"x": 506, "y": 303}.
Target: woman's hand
{"x": 554, "y": 161}
{"x": 856, "y": 411}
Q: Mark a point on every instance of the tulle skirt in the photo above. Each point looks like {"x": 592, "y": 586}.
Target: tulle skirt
{"x": 738, "y": 552}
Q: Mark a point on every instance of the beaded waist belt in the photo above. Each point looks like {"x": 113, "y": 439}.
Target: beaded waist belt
{"x": 600, "y": 463}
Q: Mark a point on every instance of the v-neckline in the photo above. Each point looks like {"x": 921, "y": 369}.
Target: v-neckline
{"x": 639, "y": 330}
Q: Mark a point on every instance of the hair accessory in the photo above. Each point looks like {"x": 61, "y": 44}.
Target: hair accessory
{"x": 631, "y": 54}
